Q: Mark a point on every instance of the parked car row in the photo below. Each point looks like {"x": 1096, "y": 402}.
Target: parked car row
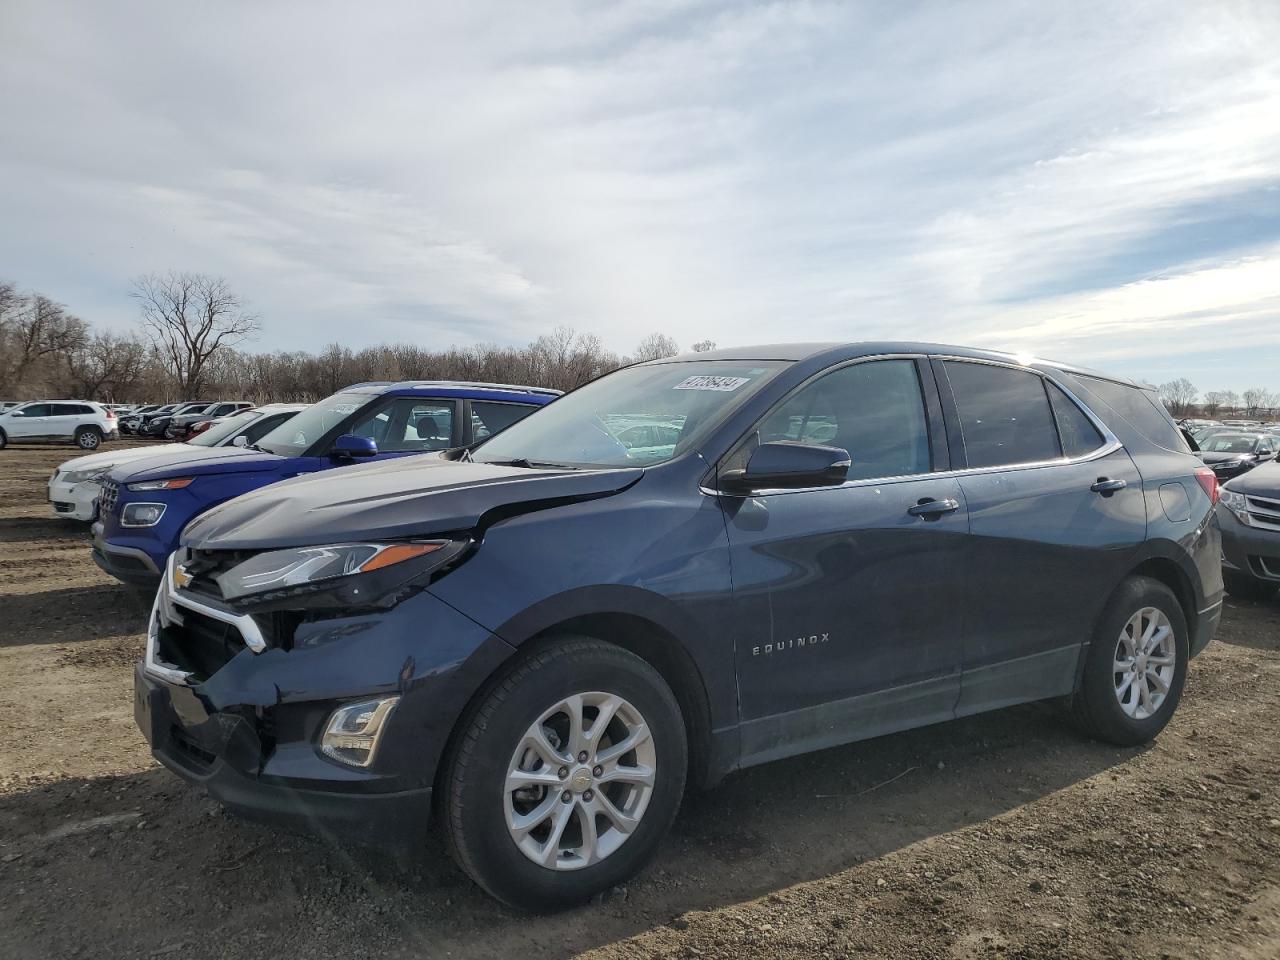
{"x": 540, "y": 620}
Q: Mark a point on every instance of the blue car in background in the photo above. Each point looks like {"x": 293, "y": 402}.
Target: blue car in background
{"x": 142, "y": 511}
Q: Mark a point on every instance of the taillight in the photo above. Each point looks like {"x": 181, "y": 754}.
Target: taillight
{"x": 111, "y": 414}
{"x": 1209, "y": 481}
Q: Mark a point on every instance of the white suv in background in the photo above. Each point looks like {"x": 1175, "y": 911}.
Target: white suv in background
{"x": 82, "y": 422}
{"x": 74, "y": 486}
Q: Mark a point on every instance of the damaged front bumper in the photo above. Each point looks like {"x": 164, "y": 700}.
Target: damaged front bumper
{"x": 230, "y": 705}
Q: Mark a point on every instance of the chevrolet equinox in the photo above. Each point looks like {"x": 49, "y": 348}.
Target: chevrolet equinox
{"x": 682, "y": 569}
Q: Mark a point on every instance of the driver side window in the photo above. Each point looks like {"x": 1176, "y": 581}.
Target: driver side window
{"x": 874, "y": 410}
{"x": 409, "y": 424}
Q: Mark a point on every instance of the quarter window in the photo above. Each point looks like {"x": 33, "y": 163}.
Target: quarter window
{"x": 1004, "y": 414}
{"x": 1079, "y": 435}
{"x": 874, "y": 410}
{"x": 488, "y": 418}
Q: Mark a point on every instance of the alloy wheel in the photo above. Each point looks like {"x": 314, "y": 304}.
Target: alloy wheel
{"x": 1145, "y": 661}
{"x": 579, "y": 781}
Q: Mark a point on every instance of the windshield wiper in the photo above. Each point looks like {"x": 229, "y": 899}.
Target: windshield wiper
{"x": 527, "y": 464}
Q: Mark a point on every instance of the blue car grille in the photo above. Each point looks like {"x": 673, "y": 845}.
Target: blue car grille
{"x": 108, "y": 496}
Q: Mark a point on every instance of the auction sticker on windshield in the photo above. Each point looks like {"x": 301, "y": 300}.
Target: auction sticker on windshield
{"x": 722, "y": 384}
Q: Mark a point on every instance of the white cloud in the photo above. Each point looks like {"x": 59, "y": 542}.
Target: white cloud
{"x": 743, "y": 172}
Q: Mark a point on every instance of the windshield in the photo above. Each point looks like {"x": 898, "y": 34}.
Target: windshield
{"x": 221, "y": 431}
{"x": 295, "y": 436}
{"x": 638, "y": 416}
{"x": 1226, "y": 443}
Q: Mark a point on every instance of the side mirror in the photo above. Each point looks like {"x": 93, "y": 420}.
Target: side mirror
{"x": 16, "y": 413}
{"x": 350, "y": 447}
{"x": 786, "y": 465}
{"x": 240, "y": 441}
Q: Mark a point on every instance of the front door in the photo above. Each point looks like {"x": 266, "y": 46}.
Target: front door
{"x": 34, "y": 421}
{"x": 848, "y": 597}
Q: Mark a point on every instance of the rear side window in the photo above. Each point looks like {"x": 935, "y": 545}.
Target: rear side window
{"x": 1138, "y": 408}
{"x": 488, "y": 418}
{"x": 873, "y": 410}
{"x": 1005, "y": 417}
{"x": 1079, "y": 435}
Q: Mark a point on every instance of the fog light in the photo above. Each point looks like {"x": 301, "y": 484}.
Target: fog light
{"x": 353, "y": 731}
{"x": 141, "y": 514}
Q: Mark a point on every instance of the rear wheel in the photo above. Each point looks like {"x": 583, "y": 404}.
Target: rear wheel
{"x": 88, "y": 438}
{"x": 566, "y": 776}
{"x": 4, "y": 440}
{"x": 1136, "y": 665}
{"x": 1248, "y": 588}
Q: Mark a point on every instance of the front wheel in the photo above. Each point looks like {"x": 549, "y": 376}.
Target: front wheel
{"x": 88, "y": 438}
{"x": 4, "y": 440}
{"x": 1136, "y": 665}
{"x": 566, "y": 776}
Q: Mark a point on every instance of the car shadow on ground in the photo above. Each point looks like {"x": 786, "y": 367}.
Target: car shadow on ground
{"x": 1251, "y": 623}
{"x": 43, "y": 529}
{"x": 73, "y": 614}
{"x": 181, "y": 871}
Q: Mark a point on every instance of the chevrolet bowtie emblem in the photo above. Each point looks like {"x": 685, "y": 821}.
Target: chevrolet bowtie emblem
{"x": 180, "y": 577}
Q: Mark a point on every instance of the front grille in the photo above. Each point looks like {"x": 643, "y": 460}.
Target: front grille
{"x": 62, "y": 507}
{"x": 108, "y": 496}
{"x": 199, "y": 645}
{"x": 1263, "y": 512}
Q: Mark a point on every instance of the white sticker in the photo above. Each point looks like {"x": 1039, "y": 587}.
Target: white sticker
{"x": 722, "y": 384}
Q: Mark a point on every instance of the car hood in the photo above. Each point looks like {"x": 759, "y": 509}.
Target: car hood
{"x": 96, "y": 461}
{"x": 412, "y": 496}
{"x": 1263, "y": 481}
{"x": 200, "y": 462}
{"x": 1212, "y": 458}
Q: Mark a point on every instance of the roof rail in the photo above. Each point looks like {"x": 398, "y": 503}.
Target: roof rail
{"x": 464, "y": 384}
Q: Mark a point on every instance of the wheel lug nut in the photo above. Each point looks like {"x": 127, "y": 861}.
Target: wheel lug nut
{"x": 566, "y": 797}
{"x": 582, "y": 757}
{"x": 564, "y": 772}
{"x": 596, "y": 771}
{"x": 589, "y": 796}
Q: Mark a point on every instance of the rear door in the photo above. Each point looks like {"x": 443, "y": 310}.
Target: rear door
{"x": 846, "y": 598}
{"x": 1056, "y": 511}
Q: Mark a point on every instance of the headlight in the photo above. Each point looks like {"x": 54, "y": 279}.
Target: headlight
{"x": 1237, "y": 504}
{"x": 299, "y": 566}
{"x": 141, "y": 514}
{"x": 1228, "y": 464}
{"x": 80, "y": 476}
{"x": 177, "y": 483}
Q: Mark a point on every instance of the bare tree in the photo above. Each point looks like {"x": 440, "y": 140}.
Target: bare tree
{"x": 1258, "y": 400}
{"x": 36, "y": 332}
{"x": 1178, "y": 395}
{"x": 1230, "y": 400}
{"x": 702, "y": 346}
{"x": 189, "y": 318}
{"x": 1212, "y": 402}
{"x": 654, "y": 347}
{"x": 106, "y": 367}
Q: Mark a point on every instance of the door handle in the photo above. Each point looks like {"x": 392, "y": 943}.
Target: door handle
{"x": 1108, "y": 487}
{"x": 931, "y": 509}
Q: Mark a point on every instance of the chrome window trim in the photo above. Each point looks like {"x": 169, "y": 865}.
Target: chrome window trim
{"x": 1109, "y": 446}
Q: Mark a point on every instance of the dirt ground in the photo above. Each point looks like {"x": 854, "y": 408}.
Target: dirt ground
{"x": 1003, "y": 836}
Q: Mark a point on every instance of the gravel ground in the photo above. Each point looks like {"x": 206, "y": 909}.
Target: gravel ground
{"x": 1006, "y": 835}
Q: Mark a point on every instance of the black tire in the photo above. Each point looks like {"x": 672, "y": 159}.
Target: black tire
{"x": 4, "y": 440}
{"x": 474, "y": 777}
{"x": 1096, "y": 707}
{"x": 1245, "y": 587}
{"x": 88, "y": 438}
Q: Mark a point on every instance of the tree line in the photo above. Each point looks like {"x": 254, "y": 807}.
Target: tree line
{"x": 1183, "y": 399}
{"x": 190, "y": 345}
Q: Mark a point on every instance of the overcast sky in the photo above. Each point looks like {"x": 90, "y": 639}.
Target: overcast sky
{"x": 1095, "y": 182}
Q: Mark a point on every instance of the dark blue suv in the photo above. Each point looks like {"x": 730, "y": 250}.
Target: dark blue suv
{"x": 687, "y": 567}
{"x": 142, "y": 511}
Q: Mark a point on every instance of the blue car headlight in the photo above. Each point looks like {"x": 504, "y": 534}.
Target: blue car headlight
{"x": 141, "y": 514}
{"x": 299, "y": 567}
